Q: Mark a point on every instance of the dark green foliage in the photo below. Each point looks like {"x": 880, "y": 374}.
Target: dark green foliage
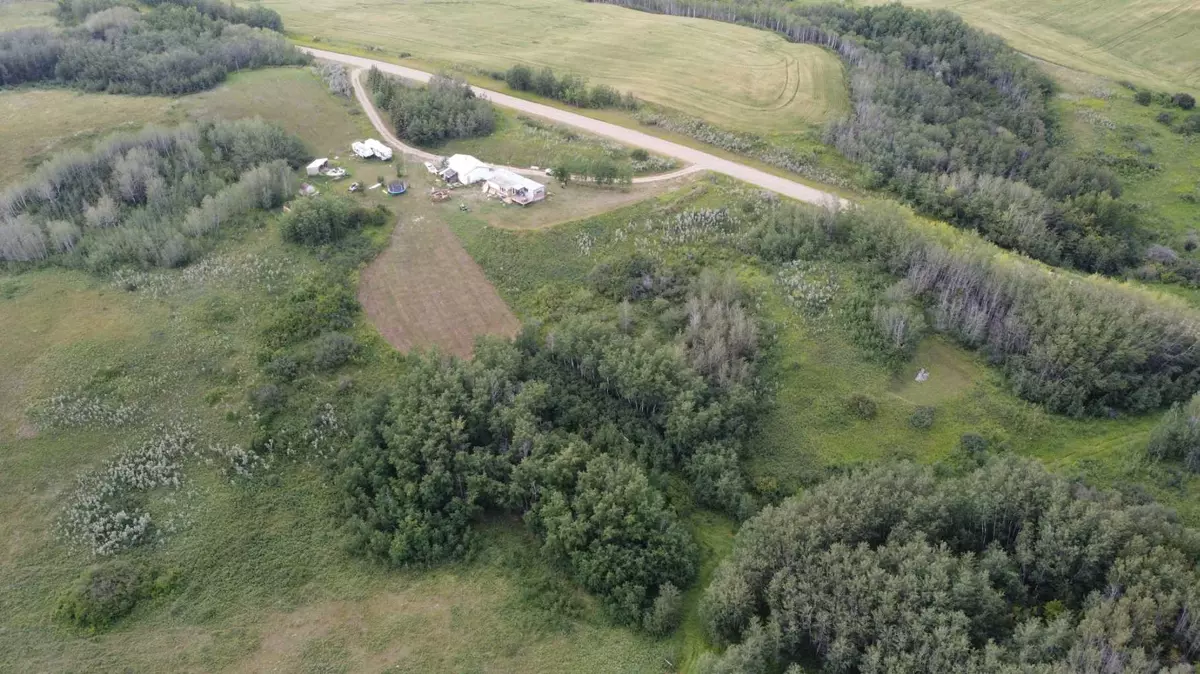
{"x": 1165, "y": 117}
{"x": 169, "y": 50}
{"x": 666, "y": 612}
{"x": 599, "y": 170}
{"x": 433, "y": 114}
{"x": 1190, "y": 125}
{"x": 322, "y": 221}
{"x": 1177, "y": 435}
{"x": 430, "y": 458}
{"x": 639, "y": 154}
{"x": 1185, "y": 101}
{"x": 1005, "y": 568}
{"x": 1142, "y": 97}
{"x": 103, "y": 594}
{"x": 320, "y": 304}
{"x": 922, "y": 418}
{"x": 254, "y": 15}
{"x": 570, "y": 89}
{"x": 618, "y": 536}
{"x": 332, "y": 350}
{"x": 1080, "y": 348}
{"x": 973, "y": 444}
{"x": 862, "y": 406}
{"x": 634, "y": 277}
{"x": 154, "y": 198}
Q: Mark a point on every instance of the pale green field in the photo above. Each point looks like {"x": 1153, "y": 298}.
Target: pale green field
{"x": 25, "y": 14}
{"x": 1152, "y": 42}
{"x": 733, "y": 76}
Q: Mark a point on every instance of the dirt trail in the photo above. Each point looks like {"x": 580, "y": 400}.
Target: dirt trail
{"x": 698, "y": 160}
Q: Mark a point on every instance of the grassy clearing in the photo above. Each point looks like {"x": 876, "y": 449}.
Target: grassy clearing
{"x": 16, "y": 14}
{"x": 730, "y": 75}
{"x": 1153, "y": 42}
{"x": 1158, "y": 168}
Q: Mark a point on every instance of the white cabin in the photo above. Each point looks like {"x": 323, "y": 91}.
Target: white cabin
{"x": 514, "y": 187}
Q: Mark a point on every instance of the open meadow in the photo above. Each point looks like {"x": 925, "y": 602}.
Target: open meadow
{"x": 730, "y": 75}
{"x": 252, "y": 454}
{"x": 89, "y": 369}
{"x": 1152, "y": 42}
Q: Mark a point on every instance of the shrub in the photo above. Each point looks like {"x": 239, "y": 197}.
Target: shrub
{"x": 973, "y": 443}
{"x": 1142, "y": 97}
{"x": 1191, "y": 124}
{"x": 1177, "y": 435}
{"x": 333, "y": 350}
{"x": 322, "y": 221}
{"x": 665, "y": 613}
{"x": 103, "y": 594}
{"x": 1185, "y": 101}
{"x": 266, "y": 399}
{"x": 283, "y": 367}
{"x": 445, "y": 109}
{"x": 1165, "y": 117}
{"x": 922, "y": 418}
{"x": 862, "y": 406}
{"x": 639, "y": 154}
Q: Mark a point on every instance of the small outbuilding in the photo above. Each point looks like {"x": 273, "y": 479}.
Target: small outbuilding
{"x": 465, "y": 169}
{"x": 317, "y": 166}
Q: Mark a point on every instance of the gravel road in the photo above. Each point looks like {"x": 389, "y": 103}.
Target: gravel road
{"x": 698, "y": 160}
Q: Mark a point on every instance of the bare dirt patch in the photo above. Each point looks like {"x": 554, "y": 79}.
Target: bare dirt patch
{"x": 425, "y": 291}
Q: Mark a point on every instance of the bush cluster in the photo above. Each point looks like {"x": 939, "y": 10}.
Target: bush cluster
{"x": 178, "y": 47}
{"x": 322, "y": 221}
{"x": 445, "y": 109}
{"x": 1003, "y": 569}
{"x": 570, "y": 89}
{"x": 147, "y": 199}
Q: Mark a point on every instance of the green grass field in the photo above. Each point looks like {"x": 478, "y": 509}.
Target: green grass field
{"x": 1158, "y": 168}
{"x": 1152, "y": 42}
{"x": 26, "y": 14}
{"x": 731, "y": 75}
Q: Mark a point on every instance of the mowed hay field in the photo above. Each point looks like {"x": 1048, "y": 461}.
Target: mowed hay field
{"x": 734, "y": 76}
{"x": 1153, "y": 42}
{"x": 425, "y": 291}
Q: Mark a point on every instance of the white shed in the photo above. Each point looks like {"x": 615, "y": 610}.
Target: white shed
{"x": 317, "y": 165}
{"x": 466, "y": 169}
